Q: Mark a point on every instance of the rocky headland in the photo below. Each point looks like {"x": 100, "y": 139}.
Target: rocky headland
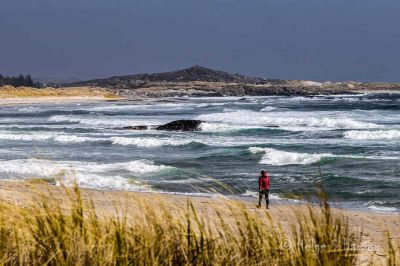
{"x": 199, "y": 81}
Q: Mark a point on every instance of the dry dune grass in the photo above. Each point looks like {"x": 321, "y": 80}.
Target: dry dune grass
{"x": 28, "y": 92}
{"x": 146, "y": 231}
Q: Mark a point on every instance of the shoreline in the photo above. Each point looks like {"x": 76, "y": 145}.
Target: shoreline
{"x": 250, "y": 200}
{"x": 17, "y": 101}
{"x": 372, "y": 225}
{"x": 372, "y": 91}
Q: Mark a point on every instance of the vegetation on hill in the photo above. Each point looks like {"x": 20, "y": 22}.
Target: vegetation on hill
{"x": 18, "y": 81}
{"x": 195, "y": 73}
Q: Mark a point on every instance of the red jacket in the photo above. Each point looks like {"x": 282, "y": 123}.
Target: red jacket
{"x": 263, "y": 182}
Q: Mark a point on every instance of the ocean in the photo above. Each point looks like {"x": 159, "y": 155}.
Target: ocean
{"x": 348, "y": 143}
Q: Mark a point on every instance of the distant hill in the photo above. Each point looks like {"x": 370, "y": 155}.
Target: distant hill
{"x": 206, "y": 82}
{"x": 195, "y": 73}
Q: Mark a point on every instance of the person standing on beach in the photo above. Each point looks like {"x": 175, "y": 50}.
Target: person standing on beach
{"x": 263, "y": 188}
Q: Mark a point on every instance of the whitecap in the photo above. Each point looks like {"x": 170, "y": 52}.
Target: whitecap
{"x": 76, "y": 139}
{"x": 64, "y": 118}
{"x": 288, "y": 120}
{"x": 87, "y": 174}
{"x": 105, "y": 182}
{"x": 86, "y": 180}
{"x": 26, "y": 137}
{"x": 33, "y": 168}
{"x": 148, "y": 142}
{"x": 368, "y": 191}
{"x": 42, "y": 136}
{"x": 278, "y": 157}
{"x": 101, "y": 121}
{"x": 41, "y": 167}
{"x": 139, "y": 167}
{"x": 373, "y": 135}
{"x": 382, "y": 208}
{"x": 268, "y": 109}
{"x": 220, "y": 127}
{"x": 29, "y": 109}
{"x": 144, "y": 167}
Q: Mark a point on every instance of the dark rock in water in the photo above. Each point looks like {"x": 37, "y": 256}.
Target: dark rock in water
{"x": 274, "y": 126}
{"x": 132, "y": 128}
{"x": 178, "y": 125}
{"x": 181, "y": 125}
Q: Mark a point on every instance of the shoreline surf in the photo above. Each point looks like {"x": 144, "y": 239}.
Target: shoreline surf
{"x": 353, "y": 139}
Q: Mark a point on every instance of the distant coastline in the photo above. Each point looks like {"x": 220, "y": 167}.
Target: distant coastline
{"x": 200, "y": 81}
{"x": 196, "y": 81}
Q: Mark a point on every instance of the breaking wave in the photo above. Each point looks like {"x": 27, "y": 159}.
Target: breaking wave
{"x": 287, "y": 120}
{"x": 144, "y": 142}
{"x": 76, "y": 139}
{"x": 382, "y": 208}
{"x": 148, "y": 142}
{"x": 378, "y": 205}
{"x": 373, "y": 135}
{"x": 101, "y": 121}
{"x": 64, "y": 118}
{"x": 268, "y": 109}
{"x": 86, "y": 174}
{"x": 48, "y": 136}
{"x": 38, "y": 167}
{"x": 26, "y": 137}
{"x": 220, "y": 127}
{"x": 277, "y": 157}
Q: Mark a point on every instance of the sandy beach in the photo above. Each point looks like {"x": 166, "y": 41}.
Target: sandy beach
{"x": 10, "y": 96}
{"x": 52, "y": 100}
{"x": 373, "y": 225}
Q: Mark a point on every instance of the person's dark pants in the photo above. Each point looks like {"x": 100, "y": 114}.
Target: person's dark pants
{"x": 260, "y": 196}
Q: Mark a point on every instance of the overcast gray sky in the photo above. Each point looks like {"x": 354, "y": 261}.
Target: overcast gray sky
{"x": 290, "y": 39}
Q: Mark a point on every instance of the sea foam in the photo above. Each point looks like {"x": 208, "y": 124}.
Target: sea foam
{"x": 287, "y": 120}
{"x": 101, "y": 121}
{"x": 373, "y": 135}
{"x": 86, "y": 174}
{"x": 148, "y": 142}
{"x": 39, "y": 167}
{"x": 145, "y": 142}
{"x": 268, "y": 109}
{"x": 76, "y": 139}
{"x": 26, "y": 137}
{"x": 378, "y": 205}
{"x": 220, "y": 127}
{"x": 278, "y": 157}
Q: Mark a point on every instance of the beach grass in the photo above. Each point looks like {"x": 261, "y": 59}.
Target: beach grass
{"x": 28, "y": 92}
{"x": 393, "y": 252}
{"x": 146, "y": 231}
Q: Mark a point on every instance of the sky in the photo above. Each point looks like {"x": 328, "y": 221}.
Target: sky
{"x": 320, "y": 40}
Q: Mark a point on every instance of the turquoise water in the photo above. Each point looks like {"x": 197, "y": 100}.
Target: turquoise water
{"x": 354, "y": 141}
